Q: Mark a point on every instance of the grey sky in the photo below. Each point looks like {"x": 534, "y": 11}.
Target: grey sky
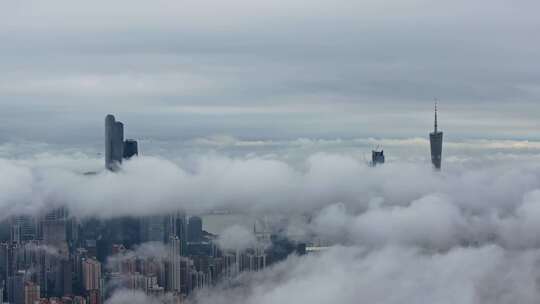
{"x": 268, "y": 69}
{"x": 301, "y": 90}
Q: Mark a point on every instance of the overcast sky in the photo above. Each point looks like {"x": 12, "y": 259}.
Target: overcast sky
{"x": 268, "y": 69}
{"x": 301, "y": 90}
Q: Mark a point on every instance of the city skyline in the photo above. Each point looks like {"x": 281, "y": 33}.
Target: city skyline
{"x": 241, "y": 152}
{"x": 118, "y": 149}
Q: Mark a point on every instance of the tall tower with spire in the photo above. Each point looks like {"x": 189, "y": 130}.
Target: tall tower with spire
{"x": 436, "y": 140}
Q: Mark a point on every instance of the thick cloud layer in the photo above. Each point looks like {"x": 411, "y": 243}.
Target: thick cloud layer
{"x": 257, "y": 184}
{"x": 180, "y": 73}
{"x": 393, "y": 274}
{"x": 332, "y": 196}
{"x": 467, "y": 234}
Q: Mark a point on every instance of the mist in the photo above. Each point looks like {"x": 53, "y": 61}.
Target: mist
{"x": 466, "y": 234}
{"x": 393, "y": 274}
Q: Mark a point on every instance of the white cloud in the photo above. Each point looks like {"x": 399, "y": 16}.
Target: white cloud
{"x": 346, "y": 200}
{"x": 392, "y": 274}
{"x": 236, "y": 238}
{"x": 442, "y": 237}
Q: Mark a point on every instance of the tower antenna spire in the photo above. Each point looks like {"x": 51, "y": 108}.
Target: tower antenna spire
{"x": 436, "y": 115}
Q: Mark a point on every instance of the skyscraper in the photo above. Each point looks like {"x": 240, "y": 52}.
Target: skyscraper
{"x": 436, "y": 141}
{"x": 31, "y": 293}
{"x": 91, "y": 274}
{"x": 23, "y": 228}
{"x": 173, "y": 270}
{"x": 64, "y": 278}
{"x": 180, "y": 222}
{"x": 116, "y": 148}
{"x": 377, "y": 157}
{"x": 194, "y": 229}
{"x": 16, "y": 288}
{"x": 54, "y": 232}
{"x": 130, "y": 148}
{"x": 152, "y": 229}
{"x": 114, "y": 142}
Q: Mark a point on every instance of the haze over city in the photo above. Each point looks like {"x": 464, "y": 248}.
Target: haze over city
{"x": 269, "y": 152}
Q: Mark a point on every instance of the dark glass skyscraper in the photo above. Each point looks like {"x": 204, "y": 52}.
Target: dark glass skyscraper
{"x": 436, "y": 141}
{"x": 114, "y": 142}
{"x": 194, "y": 229}
{"x": 377, "y": 157}
{"x": 130, "y": 148}
{"x": 115, "y": 147}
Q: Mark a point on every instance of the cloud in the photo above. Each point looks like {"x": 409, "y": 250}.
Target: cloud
{"x": 392, "y": 274}
{"x": 430, "y": 222}
{"x": 335, "y": 197}
{"x": 465, "y": 234}
{"x": 149, "y": 250}
{"x": 47, "y": 249}
{"x": 15, "y": 194}
{"x": 237, "y": 238}
{"x": 266, "y": 73}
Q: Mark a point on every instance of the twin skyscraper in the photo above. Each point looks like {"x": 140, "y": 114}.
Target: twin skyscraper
{"x": 116, "y": 149}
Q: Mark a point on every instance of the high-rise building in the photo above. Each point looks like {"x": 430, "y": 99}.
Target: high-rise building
{"x": 94, "y": 297}
{"x": 64, "y": 278}
{"x": 436, "y": 141}
{"x": 114, "y": 142}
{"x": 152, "y": 229}
{"x": 54, "y": 232}
{"x": 7, "y": 260}
{"x": 174, "y": 265}
{"x": 56, "y": 214}
{"x": 115, "y": 147}
{"x": 23, "y": 228}
{"x": 130, "y": 148}
{"x": 58, "y": 217}
{"x": 194, "y": 229}
{"x": 180, "y": 223}
{"x": 31, "y": 293}
{"x": 377, "y": 157}
{"x": 79, "y": 257}
{"x": 15, "y": 233}
{"x": 15, "y": 289}
{"x": 91, "y": 273}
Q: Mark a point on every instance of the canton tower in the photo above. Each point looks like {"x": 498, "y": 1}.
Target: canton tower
{"x": 436, "y": 140}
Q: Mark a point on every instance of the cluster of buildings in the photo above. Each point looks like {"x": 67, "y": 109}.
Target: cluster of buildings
{"x": 178, "y": 274}
{"x": 57, "y": 258}
{"x": 37, "y": 264}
